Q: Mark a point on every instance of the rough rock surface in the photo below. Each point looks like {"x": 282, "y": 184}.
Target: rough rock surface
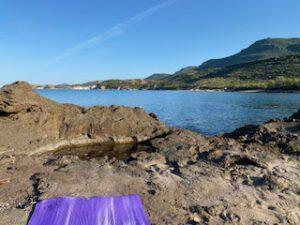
{"x": 29, "y": 122}
{"x": 250, "y": 176}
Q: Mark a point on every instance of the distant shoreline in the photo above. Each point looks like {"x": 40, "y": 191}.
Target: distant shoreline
{"x": 191, "y": 90}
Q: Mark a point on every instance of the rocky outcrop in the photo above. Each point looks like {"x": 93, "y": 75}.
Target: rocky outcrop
{"x": 18, "y": 97}
{"x": 276, "y": 135}
{"x": 32, "y": 123}
{"x": 250, "y": 176}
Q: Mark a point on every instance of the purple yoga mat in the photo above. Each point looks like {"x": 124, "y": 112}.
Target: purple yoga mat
{"x": 121, "y": 210}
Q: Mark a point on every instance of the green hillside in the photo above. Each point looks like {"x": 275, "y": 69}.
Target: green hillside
{"x": 262, "y": 49}
{"x": 258, "y": 66}
{"x": 288, "y": 66}
{"x": 281, "y": 73}
{"x": 158, "y": 76}
{"x": 275, "y": 73}
{"x": 272, "y": 63}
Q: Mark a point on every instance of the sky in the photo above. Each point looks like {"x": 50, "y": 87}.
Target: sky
{"x": 75, "y": 41}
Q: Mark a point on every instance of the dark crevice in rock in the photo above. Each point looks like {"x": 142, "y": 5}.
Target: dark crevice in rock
{"x": 283, "y": 146}
{"x": 153, "y": 115}
{"x": 260, "y": 181}
{"x": 292, "y": 153}
{"x": 25, "y": 204}
{"x": 129, "y": 160}
{"x": 223, "y": 159}
{"x": 245, "y": 161}
{"x": 38, "y": 187}
{"x": 148, "y": 142}
{"x": 85, "y": 110}
{"x": 50, "y": 161}
{"x": 152, "y": 192}
{"x": 163, "y": 135}
{"x": 60, "y": 167}
{"x": 4, "y": 114}
{"x": 246, "y": 130}
{"x": 36, "y": 179}
{"x": 192, "y": 222}
{"x": 175, "y": 168}
{"x": 203, "y": 155}
{"x": 30, "y": 214}
{"x": 295, "y": 116}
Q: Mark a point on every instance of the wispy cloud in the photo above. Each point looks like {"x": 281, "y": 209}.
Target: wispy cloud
{"x": 114, "y": 31}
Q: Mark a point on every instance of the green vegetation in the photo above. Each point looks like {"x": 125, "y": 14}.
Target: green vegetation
{"x": 275, "y": 73}
{"x": 270, "y": 74}
{"x": 280, "y": 83}
{"x": 268, "y": 64}
{"x": 124, "y": 84}
{"x": 261, "y": 70}
{"x": 158, "y": 76}
{"x": 262, "y": 49}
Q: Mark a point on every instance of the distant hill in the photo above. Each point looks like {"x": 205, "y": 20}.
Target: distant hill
{"x": 267, "y": 69}
{"x": 245, "y": 67}
{"x": 262, "y": 49}
{"x": 272, "y": 63}
{"x": 276, "y": 73}
{"x": 273, "y": 73}
{"x": 158, "y": 76}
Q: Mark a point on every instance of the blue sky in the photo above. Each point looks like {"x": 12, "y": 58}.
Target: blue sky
{"x": 73, "y": 41}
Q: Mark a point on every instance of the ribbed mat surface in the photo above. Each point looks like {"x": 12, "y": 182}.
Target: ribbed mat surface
{"x": 121, "y": 210}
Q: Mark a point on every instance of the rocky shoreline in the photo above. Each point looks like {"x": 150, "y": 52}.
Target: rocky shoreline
{"x": 249, "y": 176}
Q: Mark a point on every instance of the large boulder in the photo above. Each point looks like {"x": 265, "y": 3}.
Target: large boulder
{"x": 19, "y": 97}
{"x": 30, "y": 123}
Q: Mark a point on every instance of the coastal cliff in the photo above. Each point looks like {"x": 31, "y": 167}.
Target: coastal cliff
{"x": 249, "y": 176}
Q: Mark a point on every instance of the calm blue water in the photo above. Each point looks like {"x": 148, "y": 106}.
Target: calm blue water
{"x": 207, "y": 113}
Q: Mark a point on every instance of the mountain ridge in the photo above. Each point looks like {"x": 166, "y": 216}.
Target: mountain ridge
{"x": 266, "y": 62}
{"x": 259, "y": 50}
